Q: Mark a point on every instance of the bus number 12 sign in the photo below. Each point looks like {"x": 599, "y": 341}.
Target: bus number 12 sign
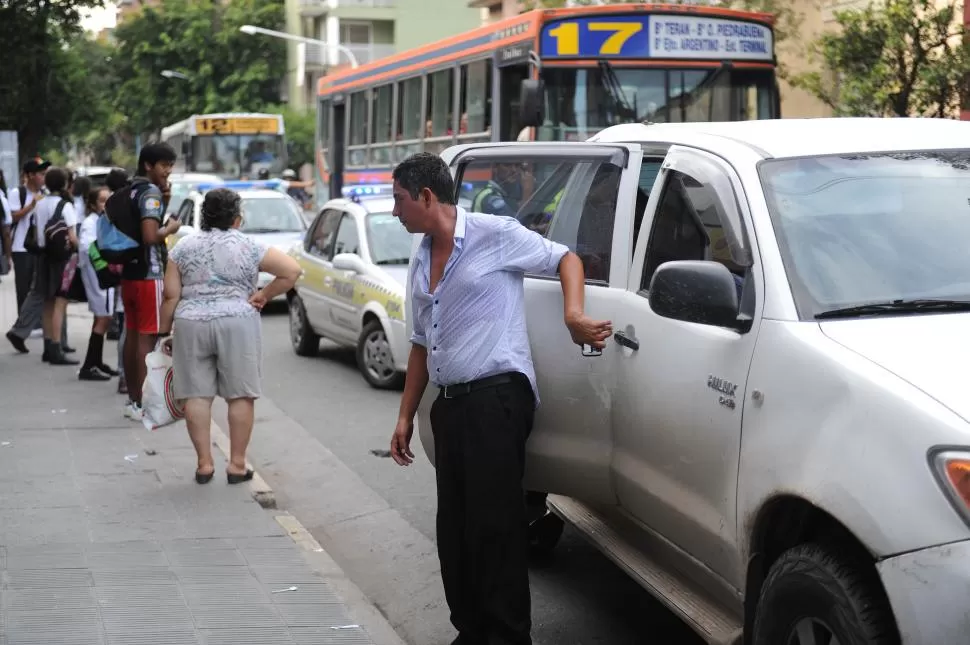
{"x": 657, "y": 36}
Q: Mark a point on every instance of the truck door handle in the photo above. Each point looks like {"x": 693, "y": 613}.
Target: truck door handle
{"x": 626, "y": 341}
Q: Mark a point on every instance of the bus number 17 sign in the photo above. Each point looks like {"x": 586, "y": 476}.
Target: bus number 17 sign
{"x": 657, "y": 36}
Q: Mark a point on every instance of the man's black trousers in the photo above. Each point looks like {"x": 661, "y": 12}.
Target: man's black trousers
{"x": 479, "y": 439}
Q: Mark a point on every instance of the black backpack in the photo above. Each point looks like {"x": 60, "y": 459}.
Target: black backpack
{"x": 57, "y": 241}
{"x": 121, "y": 212}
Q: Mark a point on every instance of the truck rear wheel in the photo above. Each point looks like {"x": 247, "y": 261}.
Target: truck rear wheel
{"x": 815, "y": 596}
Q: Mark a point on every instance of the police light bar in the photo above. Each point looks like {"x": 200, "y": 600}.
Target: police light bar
{"x": 271, "y": 184}
{"x": 367, "y": 190}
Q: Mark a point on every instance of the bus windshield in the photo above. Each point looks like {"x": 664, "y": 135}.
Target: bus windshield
{"x": 582, "y": 101}
{"x": 233, "y": 155}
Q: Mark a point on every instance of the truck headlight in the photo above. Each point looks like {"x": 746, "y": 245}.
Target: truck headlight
{"x": 952, "y": 470}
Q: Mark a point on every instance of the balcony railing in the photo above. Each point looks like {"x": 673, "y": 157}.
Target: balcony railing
{"x": 321, "y": 6}
{"x": 316, "y": 55}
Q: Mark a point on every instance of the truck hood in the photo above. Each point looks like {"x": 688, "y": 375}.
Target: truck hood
{"x": 928, "y": 351}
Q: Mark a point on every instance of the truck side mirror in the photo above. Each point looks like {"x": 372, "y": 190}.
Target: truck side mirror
{"x": 531, "y": 103}
{"x": 701, "y": 292}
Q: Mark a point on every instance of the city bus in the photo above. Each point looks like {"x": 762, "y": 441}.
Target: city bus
{"x": 230, "y": 145}
{"x": 546, "y": 75}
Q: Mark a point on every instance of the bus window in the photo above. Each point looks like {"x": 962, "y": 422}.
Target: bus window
{"x": 357, "y": 150}
{"x": 381, "y": 125}
{"x": 476, "y": 101}
{"x": 440, "y": 103}
{"x": 409, "y": 118}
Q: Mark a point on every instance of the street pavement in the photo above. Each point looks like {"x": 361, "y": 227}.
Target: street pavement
{"x": 321, "y": 442}
{"x": 105, "y": 538}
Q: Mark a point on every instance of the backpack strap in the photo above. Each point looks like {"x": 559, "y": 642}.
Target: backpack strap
{"x": 23, "y": 194}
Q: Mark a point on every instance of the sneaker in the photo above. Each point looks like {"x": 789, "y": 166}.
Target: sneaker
{"x": 92, "y": 374}
{"x": 133, "y": 411}
{"x": 17, "y": 342}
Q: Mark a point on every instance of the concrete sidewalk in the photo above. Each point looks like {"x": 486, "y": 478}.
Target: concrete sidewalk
{"x": 106, "y": 538}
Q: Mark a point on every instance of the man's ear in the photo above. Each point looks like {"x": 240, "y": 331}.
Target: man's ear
{"x": 428, "y": 197}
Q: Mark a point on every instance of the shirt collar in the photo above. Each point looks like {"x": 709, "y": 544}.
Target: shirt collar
{"x": 460, "y": 216}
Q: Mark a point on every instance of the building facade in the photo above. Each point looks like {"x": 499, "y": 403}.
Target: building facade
{"x": 367, "y": 29}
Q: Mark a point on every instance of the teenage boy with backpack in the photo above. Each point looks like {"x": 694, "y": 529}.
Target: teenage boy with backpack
{"x": 138, "y": 211}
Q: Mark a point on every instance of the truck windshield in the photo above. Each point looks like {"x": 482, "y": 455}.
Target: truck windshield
{"x": 582, "y": 101}
{"x": 872, "y": 228}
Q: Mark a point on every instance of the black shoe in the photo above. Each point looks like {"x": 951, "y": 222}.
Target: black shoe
{"x": 55, "y": 356}
{"x": 17, "y": 342}
{"x": 204, "y": 479}
{"x": 67, "y": 350}
{"x": 107, "y": 370}
{"x": 238, "y": 479}
{"x": 92, "y": 374}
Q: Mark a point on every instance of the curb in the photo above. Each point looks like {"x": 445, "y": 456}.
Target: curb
{"x": 258, "y": 488}
{"x": 360, "y": 608}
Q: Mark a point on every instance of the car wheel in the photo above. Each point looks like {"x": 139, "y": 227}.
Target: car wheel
{"x": 812, "y": 596}
{"x": 375, "y": 360}
{"x": 305, "y": 341}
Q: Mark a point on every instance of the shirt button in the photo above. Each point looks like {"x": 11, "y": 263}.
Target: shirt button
{"x": 439, "y": 369}
{"x": 434, "y": 349}
{"x": 436, "y": 302}
{"x": 436, "y": 325}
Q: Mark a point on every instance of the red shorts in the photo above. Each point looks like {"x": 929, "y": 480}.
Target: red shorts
{"x": 143, "y": 301}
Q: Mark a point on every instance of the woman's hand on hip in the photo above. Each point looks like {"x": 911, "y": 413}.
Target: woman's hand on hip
{"x": 258, "y": 300}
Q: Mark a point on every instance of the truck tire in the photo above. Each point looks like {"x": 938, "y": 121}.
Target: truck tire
{"x": 814, "y": 596}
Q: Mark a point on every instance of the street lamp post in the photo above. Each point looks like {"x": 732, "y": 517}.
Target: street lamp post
{"x": 252, "y": 29}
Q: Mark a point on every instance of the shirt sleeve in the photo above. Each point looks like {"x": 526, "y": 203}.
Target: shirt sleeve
{"x": 418, "y": 334}
{"x": 526, "y": 251}
{"x": 69, "y": 215}
{"x": 13, "y": 197}
{"x": 150, "y": 204}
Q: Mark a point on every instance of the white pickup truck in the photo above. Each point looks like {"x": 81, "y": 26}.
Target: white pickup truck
{"x": 775, "y": 443}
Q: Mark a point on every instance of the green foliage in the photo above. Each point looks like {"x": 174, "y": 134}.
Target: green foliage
{"x": 300, "y": 134}
{"x": 897, "y": 58}
{"x": 227, "y": 70}
{"x": 36, "y": 86}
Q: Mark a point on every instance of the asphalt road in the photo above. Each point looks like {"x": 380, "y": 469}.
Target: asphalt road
{"x": 579, "y": 597}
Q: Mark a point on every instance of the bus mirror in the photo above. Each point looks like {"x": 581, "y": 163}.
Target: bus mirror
{"x": 531, "y": 104}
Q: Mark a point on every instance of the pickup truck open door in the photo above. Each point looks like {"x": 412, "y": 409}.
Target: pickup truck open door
{"x": 582, "y": 195}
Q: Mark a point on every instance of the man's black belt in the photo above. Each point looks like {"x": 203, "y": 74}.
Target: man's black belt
{"x": 461, "y": 389}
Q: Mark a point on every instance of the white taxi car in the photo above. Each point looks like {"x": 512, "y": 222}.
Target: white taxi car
{"x": 354, "y": 260}
{"x": 270, "y": 217}
{"x": 776, "y": 443}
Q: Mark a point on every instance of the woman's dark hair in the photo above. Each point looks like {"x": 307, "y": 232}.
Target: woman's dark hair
{"x": 117, "y": 179}
{"x": 82, "y": 186}
{"x": 91, "y": 199}
{"x": 56, "y": 182}
{"x": 220, "y": 208}
{"x": 3, "y": 182}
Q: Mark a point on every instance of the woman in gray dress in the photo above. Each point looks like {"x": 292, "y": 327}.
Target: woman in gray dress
{"x": 210, "y": 295}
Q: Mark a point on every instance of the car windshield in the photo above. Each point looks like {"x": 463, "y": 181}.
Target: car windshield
{"x": 270, "y": 215}
{"x": 390, "y": 243}
{"x": 872, "y": 228}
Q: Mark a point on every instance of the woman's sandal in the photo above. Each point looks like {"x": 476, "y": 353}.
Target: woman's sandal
{"x": 238, "y": 479}
{"x": 204, "y": 479}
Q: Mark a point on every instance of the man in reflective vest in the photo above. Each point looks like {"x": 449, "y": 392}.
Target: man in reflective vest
{"x": 497, "y": 194}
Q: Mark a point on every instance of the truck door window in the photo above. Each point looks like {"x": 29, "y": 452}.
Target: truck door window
{"x": 687, "y": 227}
{"x": 570, "y": 202}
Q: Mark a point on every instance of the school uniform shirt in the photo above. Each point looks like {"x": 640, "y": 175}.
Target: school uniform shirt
{"x": 88, "y": 233}
{"x": 20, "y": 228}
{"x": 7, "y": 217}
{"x": 45, "y": 210}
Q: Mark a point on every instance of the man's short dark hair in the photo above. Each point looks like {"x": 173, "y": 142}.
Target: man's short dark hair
{"x": 154, "y": 153}
{"x": 426, "y": 170}
{"x": 117, "y": 179}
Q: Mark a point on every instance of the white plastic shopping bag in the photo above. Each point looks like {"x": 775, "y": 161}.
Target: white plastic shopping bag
{"x": 158, "y": 403}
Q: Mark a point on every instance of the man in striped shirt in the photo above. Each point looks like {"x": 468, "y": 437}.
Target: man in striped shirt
{"x": 470, "y": 339}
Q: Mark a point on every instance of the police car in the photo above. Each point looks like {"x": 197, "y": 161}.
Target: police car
{"x": 269, "y": 216}
{"x": 355, "y": 261}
